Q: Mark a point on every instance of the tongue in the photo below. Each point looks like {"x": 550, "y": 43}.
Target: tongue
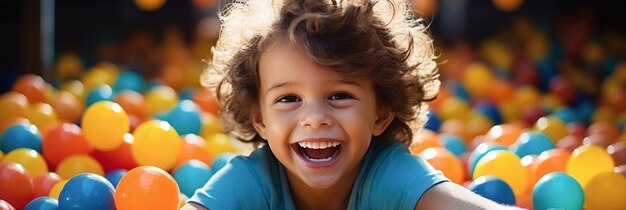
{"x": 319, "y": 153}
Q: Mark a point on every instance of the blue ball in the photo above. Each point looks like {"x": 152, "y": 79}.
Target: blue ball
{"x": 21, "y": 135}
{"x": 459, "y": 91}
{"x": 87, "y": 191}
{"x": 493, "y": 188}
{"x": 129, "y": 80}
{"x": 532, "y": 143}
{"x": 100, "y": 93}
{"x": 453, "y": 144}
{"x": 568, "y": 115}
{"x": 490, "y": 111}
{"x": 115, "y": 176}
{"x": 480, "y": 151}
{"x": 192, "y": 175}
{"x": 187, "y": 94}
{"x": 221, "y": 161}
{"x": 558, "y": 190}
{"x": 185, "y": 118}
{"x": 42, "y": 203}
{"x": 434, "y": 121}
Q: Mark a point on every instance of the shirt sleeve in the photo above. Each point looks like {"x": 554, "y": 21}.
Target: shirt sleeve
{"x": 235, "y": 186}
{"x": 397, "y": 179}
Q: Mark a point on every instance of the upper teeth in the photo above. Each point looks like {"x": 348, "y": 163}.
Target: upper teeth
{"x": 318, "y": 145}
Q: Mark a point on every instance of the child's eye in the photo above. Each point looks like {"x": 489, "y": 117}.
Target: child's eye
{"x": 288, "y": 99}
{"x": 340, "y": 96}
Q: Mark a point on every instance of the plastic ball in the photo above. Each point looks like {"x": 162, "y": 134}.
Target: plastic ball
{"x": 210, "y": 125}
{"x": 501, "y": 90}
{"x": 32, "y": 86}
{"x": 68, "y": 65}
{"x": 55, "y": 191}
{"x": 67, "y": 106}
{"x": 453, "y": 144}
{"x": 552, "y": 127}
{"x": 426, "y": 8}
{"x": 606, "y": 191}
{"x": 100, "y": 93}
{"x": 17, "y": 185}
{"x": 458, "y": 127}
{"x": 588, "y": 161}
{"x": 160, "y": 99}
{"x": 185, "y": 118}
{"x": 454, "y": 107}
{"x": 87, "y": 191}
{"x": 504, "y": 134}
{"x": 43, "y": 203}
{"x": 77, "y": 164}
{"x": 12, "y": 104}
{"x": 557, "y": 191}
{"x": 192, "y": 175}
{"x": 434, "y": 122}
{"x": 563, "y": 88}
{"x": 74, "y": 87}
{"x": 206, "y": 100}
{"x": 218, "y": 144}
{"x": 423, "y": 140}
{"x": 32, "y": 161}
{"x": 531, "y": 114}
{"x": 21, "y": 135}
{"x": 41, "y": 115}
{"x": 477, "y": 79}
{"x": 129, "y": 80}
{"x": 103, "y": 73}
{"x": 570, "y": 142}
{"x": 115, "y": 176}
{"x": 43, "y": 183}
{"x": 104, "y": 125}
{"x": 618, "y": 152}
{"x": 147, "y": 187}
{"x": 156, "y": 144}
{"x": 493, "y": 188}
{"x": 194, "y": 147}
{"x": 604, "y": 128}
{"x": 481, "y": 150}
{"x": 62, "y": 141}
{"x": 6, "y": 205}
{"x": 506, "y": 166}
{"x": 554, "y": 160}
{"x": 532, "y": 143}
{"x": 132, "y": 102}
{"x": 119, "y": 158}
{"x": 527, "y": 95}
{"x": 489, "y": 110}
{"x": 441, "y": 159}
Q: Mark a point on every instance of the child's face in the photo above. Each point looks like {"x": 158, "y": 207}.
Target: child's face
{"x": 318, "y": 123}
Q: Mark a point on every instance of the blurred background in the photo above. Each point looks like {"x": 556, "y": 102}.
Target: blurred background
{"x": 532, "y": 110}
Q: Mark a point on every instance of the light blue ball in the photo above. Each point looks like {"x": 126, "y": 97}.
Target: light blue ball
{"x": 185, "y": 118}
{"x": 453, "y": 144}
{"x": 559, "y": 191}
{"x": 115, "y": 176}
{"x": 87, "y": 191}
{"x": 568, "y": 115}
{"x": 21, "y": 135}
{"x": 100, "y": 93}
{"x": 42, "y": 203}
{"x": 129, "y": 80}
{"x": 192, "y": 175}
{"x": 532, "y": 143}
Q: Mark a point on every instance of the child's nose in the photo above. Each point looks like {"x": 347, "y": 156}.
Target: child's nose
{"x": 314, "y": 115}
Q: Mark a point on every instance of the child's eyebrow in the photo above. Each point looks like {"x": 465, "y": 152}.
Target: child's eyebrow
{"x": 339, "y": 81}
{"x": 277, "y": 85}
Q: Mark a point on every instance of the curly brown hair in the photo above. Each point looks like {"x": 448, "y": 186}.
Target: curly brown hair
{"x": 360, "y": 38}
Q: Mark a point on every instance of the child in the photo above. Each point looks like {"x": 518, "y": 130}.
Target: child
{"x": 333, "y": 91}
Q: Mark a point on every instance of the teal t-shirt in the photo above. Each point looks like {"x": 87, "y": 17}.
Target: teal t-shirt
{"x": 389, "y": 178}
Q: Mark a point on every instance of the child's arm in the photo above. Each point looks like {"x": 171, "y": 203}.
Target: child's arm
{"x": 449, "y": 195}
{"x": 192, "y": 206}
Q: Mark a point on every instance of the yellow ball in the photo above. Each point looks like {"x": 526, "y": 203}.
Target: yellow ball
{"x": 156, "y": 144}
{"x": 506, "y": 166}
{"x": 32, "y": 161}
{"x": 218, "y": 144}
{"x": 160, "y": 99}
{"x": 77, "y": 164}
{"x": 210, "y": 125}
{"x": 477, "y": 79}
{"x": 55, "y": 191}
{"x": 41, "y": 115}
{"x": 455, "y": 108}
{"x": 104, "y": 125}
{"x": 553, "y": 127}
{"x": 74, "y": 87}
{"x": 588, "y": 161}
{"x": 104, "y": 73}
{"x": 606, "y": 191}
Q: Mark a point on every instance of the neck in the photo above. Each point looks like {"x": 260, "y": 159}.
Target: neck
{"x": 334, "y": 197}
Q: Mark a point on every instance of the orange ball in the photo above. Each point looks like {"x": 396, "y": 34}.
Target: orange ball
{"x": 423, "y": 140}
{"x": 146, "y": 187}
{"x": 605, "y": 128}
{"x": 43, "y": 183}
{"x": 33, "y": 87}
{"x": 443, "y": 160}
{"x": 206, "y": 100}
{"x": 132, "y": 102}
{"x": 67, "y": 106}
{"x": 42, "y": 115}
{"x": 504, "y": 134}
{"x": 194, "y": 147}
{"x": 554, "y": 160}
{"x": 507, "y": 5}
{"x": 12, "y": 104}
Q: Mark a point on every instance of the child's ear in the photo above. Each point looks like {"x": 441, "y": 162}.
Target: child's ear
{"x": 257, "y": 122}
{"x": 385, "y": 117}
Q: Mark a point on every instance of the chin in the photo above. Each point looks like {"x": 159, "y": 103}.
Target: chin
{"x": 320, "y": 181}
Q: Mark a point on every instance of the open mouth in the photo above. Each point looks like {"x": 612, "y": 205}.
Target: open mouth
{"x": 318, "y": 151}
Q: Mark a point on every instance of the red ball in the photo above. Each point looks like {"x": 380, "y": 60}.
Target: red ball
{"x": 63, "y": 140}
{"x": 119, "y": 158}
{"x": 563, "y": 88}
{"x": 16, "y": 186}
{"x": 618, "y": 152}
{"x": 43, "y": 183}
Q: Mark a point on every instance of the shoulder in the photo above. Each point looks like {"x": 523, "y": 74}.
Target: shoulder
{"x": 243, "y": 178}
{"x": 393, "y": 178}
